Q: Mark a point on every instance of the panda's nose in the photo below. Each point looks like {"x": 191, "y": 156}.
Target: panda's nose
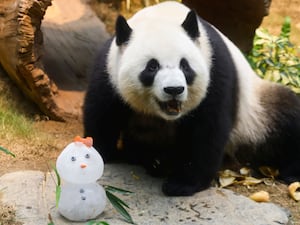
{"x": 174, "y": 90}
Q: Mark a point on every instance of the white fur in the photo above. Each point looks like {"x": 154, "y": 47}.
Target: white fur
{"x": 252, "y": 119}
{"x": 158, "y": 34}
{"x": 170, "y": 76}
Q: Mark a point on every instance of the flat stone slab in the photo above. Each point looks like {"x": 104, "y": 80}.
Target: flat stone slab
{"x": 32, "y": 193}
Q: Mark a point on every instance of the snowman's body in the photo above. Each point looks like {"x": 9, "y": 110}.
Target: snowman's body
{"x": 80, "y": 166}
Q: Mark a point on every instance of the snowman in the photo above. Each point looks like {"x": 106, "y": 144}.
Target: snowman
{"x": 80, "y": 166}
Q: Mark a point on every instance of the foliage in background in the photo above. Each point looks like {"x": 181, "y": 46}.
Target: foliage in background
{"x": 275, "y": 58}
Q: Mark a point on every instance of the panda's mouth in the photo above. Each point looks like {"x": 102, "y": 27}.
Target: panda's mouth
{"x": 171, "y": 107}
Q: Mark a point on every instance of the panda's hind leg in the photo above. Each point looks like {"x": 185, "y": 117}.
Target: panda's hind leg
{"x": 282, "y": 146}
{"x": 289, "y": 166}
{"x": 282, "y": 151}
{"x": 290, "y": 173}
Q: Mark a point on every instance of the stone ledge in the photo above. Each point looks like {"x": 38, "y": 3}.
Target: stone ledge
{"x": 33, "y": 195}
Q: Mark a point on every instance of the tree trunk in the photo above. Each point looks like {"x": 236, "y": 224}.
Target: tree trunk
{"x": 237, "y": 19}
{"x": 48, "y": 60}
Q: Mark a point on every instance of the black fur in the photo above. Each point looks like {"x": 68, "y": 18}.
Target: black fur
{"x": 148, "y": 74}
{"x": 281, "y": 149}
{"x": 188, "y": 72}
{"x": 123, "y": 31}
{"x": 204, "y": 133}
{"x": 188, "y": 150}
{"x": 104, "y": 111}
{"x": 190, "y": 25}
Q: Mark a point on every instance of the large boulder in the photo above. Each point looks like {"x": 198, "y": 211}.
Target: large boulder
{"x": 33, "y": 195}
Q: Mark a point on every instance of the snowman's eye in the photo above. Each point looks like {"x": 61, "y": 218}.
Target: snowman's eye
{"x": 73, "y": 158}
{"x": 83, "y": 198}
{"x": 87, "y": 156}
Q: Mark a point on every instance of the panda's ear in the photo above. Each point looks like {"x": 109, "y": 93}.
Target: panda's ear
{"x": 190, "y": 25}
{"x": 123, "y": 31}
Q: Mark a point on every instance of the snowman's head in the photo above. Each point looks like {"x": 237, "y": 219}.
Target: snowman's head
{"x": 79, "y": 163}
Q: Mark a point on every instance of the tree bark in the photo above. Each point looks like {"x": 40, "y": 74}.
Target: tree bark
{"x": 48, "y": 60}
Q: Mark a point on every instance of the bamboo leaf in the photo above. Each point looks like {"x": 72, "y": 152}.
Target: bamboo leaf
{"x": 117, "y": 190}
{"x": 116, "y": 199}
{"x": 58, "y": 187}
{"x": 118, "y": 205}
{"x": 94, "y": 222}
{"x": 57, "y": 194}
{"x": 57, "y": 174}
{"x": 7, "y": 151}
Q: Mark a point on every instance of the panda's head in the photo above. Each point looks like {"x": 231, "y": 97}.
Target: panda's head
{"x": 157, "y": 66}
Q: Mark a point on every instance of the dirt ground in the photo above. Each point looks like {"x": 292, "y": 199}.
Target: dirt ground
{"x": 52, "y": 137}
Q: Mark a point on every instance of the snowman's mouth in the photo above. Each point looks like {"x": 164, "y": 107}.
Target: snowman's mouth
{"x": 172, "y": 107}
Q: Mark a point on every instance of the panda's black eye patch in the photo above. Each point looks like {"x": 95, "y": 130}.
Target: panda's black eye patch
{"x": 148, "y": 74}
{"x": 188, "y": 72}
{"x": 152, "y": 66}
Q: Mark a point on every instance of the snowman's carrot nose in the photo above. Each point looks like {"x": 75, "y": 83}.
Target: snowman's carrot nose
{"x": 83, "y": 165}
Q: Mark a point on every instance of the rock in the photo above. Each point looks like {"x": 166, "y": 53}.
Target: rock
{"x": 33, "y": 194}
{"x": 24, "y": 190}
{"x": 236, "y": 19}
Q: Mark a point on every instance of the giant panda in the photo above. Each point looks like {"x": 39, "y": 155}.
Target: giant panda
{"x": 179, "y": 96}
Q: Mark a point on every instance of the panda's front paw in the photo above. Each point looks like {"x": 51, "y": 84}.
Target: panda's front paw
{"x": 157, "y": 169}
{"x": 175, "y": 187}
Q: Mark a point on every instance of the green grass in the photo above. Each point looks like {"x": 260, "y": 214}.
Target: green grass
{"x": 13, "y": 123}
{"x": 14, "y": 116}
